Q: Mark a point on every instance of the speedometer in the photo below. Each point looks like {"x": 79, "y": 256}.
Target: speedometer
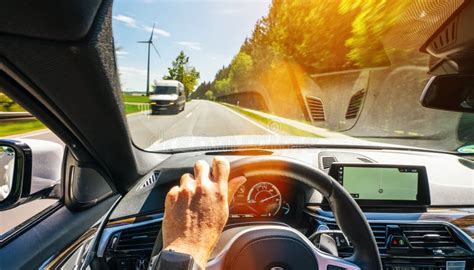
{"x": 265, "y": 199}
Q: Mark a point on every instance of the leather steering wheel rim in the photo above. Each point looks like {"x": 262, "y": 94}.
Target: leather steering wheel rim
{"x": 347, "y": 213}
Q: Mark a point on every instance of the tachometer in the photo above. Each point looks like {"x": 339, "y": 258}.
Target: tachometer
{"x": 265, "y": 199}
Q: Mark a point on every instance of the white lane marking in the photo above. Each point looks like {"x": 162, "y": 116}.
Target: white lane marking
{"x": 250, "y": 120}
{"x": 188, "y": 115}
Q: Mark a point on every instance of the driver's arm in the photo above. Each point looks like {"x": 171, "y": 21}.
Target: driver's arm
{"x": 197, "y": 210}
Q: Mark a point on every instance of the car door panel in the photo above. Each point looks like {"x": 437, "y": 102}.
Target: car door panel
{"x": 50, "y": 236}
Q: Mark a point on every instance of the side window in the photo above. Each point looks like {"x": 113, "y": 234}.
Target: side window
{"x": 46, "y": 152}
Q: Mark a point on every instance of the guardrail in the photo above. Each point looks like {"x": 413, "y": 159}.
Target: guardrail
{"x": 15, "y": 116}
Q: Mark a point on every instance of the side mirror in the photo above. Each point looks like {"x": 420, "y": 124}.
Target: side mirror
{"x": 452, "y": 92}
{"x": 15, "y": 172}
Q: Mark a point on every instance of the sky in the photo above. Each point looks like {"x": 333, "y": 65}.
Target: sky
{"x": 209, "y": 32}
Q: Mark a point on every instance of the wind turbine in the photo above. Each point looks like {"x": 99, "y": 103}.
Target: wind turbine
{"x": 150, "y": 44}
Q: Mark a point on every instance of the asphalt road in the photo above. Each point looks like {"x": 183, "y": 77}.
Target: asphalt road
{"x": 200, "y": 118}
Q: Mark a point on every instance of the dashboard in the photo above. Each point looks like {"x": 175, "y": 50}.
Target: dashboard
{"x": 414, "y": 227}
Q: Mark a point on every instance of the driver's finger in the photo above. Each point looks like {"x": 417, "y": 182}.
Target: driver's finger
{"x": 201, "y": 172}
{"x": 234, "y": 185}
{"x": 220, "y": 171}
{"x": 188, "y": 183}
{"x": 172, "y": 197}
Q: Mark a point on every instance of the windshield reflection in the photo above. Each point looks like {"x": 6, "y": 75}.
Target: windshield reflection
{"x": 316, "y": 69}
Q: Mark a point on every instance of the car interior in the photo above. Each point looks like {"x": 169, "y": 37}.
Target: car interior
{"x": 307, "y": 203}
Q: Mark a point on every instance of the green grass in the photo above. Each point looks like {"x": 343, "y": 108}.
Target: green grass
{"x": 11, "y": 128}
{"x": 13, "y": 108}
{"x": 283, "y": 128}
{"x": 18, "y": 127}
{"x": 137, "y": 99}
{"x": 132, "y": 108}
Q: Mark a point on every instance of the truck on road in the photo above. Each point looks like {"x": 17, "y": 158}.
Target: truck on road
{"x": 167, "y": 96}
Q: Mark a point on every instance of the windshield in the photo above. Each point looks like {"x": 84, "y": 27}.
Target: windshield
{"x": 286, "y": 72}
{"x": 165, "y": 90}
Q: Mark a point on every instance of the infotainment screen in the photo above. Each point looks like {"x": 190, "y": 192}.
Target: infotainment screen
{"x": 371, "y": 184}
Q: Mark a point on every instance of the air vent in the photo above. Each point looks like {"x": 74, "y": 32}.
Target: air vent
{"x": 380, "y": 234}
{"x": 316, "y": 109}
{"x": 327, "y": 161}
{"x": 136, "y": 240}
{"x": 379, "y": 230}
{"x": 150, "y": 180}
{"x": 419, "y": 236}
{"x": 355, "y": 104}
{"x": 446, "y": 37}
{"x": 428, "y": 235}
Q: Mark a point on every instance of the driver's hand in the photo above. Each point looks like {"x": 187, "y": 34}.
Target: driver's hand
{"x": 197, "y": 210}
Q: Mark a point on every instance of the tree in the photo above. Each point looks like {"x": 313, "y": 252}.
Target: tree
{"x": 201, "y": 90}
{"x": 8, "y": 105}
{"x": 241, "y": 67}
{"x": 222, "y": 87}
{"x": 319, "y": 37}
{"x": 374, "y": 19}
{"x": 209, "y": 95}
{"x": 182, "y": 71}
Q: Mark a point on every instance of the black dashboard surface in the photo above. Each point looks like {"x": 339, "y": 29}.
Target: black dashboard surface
{"x": 450, "y": 180}
{"x": 281, "y": 197}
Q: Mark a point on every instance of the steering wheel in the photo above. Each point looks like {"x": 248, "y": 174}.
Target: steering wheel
{"x": 281, "y": 247}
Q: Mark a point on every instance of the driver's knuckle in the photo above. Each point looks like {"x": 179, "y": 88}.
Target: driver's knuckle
{"x": 185, "y": 190}
{"x": 200, "y": 189}
{"x": 220, "y": 161}
{"x": 220, "y": 196}
{"x": 186, "y": 176}
{"x": 172, "y": 194}
{"x": 200, "y": 164}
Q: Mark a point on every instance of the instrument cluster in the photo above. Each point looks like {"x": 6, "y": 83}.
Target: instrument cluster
{"x": 265, "y": 198}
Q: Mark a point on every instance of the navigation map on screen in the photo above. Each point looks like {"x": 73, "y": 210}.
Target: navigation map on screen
{"x": 370, "y": 183}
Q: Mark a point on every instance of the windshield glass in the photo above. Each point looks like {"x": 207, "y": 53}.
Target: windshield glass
{"x": 286, "y": 72}
{"x": 165, "y": 90}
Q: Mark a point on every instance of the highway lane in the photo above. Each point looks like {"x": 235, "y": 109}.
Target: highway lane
{"x": 200, "y": 118}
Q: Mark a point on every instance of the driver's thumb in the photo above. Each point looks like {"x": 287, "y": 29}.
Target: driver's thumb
{"x": 234, "y": 185}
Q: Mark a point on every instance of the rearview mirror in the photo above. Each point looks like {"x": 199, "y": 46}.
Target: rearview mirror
{"x": 15, "y": 172}
{"x": 452, "y": 92}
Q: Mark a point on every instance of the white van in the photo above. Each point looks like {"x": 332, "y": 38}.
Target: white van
{"x": 167, "y": 96}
